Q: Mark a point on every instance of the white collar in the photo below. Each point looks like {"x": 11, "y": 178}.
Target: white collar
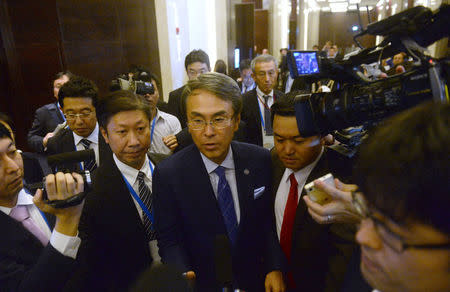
{"x": 261, "y": 94}
{"x": 305, "y": 171}
{"x": 131, "y": 173}
{"x": 93, "y": 137}
{"x": 227, "y": 163}
{"x": 23, "y": 198}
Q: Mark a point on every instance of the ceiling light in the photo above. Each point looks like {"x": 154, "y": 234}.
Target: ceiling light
{"x": 326, "y": 9}
{"x": 352, "y": 7}
{"x": 354, "y": 1}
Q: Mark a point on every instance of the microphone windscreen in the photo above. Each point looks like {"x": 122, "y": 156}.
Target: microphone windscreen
{"x": 223, "y": 261}
{"x": 71, "y": 157}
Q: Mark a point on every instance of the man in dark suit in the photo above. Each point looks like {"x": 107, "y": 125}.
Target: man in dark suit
{"x": 214, "y": 189}
{"x": 257, "y": 102}
{"x": 32, "y": 257}
{"x": 317, "y": 255}
{"x": 246, "y": 82}
{"x": 78, "y": 98}
{"x": 117, "y": 224}
{"x": 195, "y": 63}
{"x": 47, "y": 117}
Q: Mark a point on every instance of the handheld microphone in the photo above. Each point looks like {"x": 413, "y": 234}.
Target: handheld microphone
{"x": 223, "y": 262}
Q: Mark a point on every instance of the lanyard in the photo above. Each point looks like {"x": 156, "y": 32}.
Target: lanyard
{"x": 260, "y": 113}
{"x": 151, "y": 137}
{"x": 136, "y": 197}
{"x": 60, "y": 110}
{"x": 45, "y": 218}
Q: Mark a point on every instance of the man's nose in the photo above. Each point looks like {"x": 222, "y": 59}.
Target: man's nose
{"x": 368, "y": 236}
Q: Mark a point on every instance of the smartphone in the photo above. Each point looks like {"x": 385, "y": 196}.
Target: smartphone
{"x": 317, "y": 195}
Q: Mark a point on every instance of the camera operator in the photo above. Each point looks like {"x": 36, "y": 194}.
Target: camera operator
{"x": 32, "y": 257}
{"x": 402, "y": 201}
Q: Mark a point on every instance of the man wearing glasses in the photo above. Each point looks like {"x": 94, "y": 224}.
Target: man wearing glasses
{"x": 78, "y": 98}
{"x": 217, "y": 190}
{"x": 401, "y": 202}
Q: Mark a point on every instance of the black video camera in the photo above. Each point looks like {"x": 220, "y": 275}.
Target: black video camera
{"x": 64, "y": 162}
{"x": 361, "y": 103}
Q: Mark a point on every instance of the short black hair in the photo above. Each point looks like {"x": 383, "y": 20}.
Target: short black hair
{"x": 196, "y": 56}
{"x": 78, "y": 86}
{"x": 4, "y": 131}
{"x": 283, "y": 106}
{"x": 220, "y": 67}
{"x": 119, "y": 101}
{"x": 245, "y": 64}
{"x": 403, "y": 167}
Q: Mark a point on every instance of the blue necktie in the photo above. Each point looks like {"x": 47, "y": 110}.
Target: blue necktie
{"x": 226, "y": 204}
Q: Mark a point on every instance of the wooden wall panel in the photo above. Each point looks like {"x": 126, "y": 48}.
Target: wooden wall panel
{"x": 94, "y": 38}
{"x": 30, "y": 36}
{"x": 245, "y": 27}
{"x": 336, "y": 28}
{"x": 262, "y": 29}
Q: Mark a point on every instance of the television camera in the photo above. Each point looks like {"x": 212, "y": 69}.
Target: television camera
{"x": 360, "y": 103}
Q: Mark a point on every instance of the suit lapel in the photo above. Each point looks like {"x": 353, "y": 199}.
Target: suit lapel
{"x": 200, "y": 190}
{"x": 243, "y": 183}
{"x": 56, "y": 114}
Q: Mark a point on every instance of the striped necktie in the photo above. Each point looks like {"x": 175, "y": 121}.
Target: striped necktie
{"x": 90, "y": 164}
{"x": 146, "y": 196}
{"x": 226, "y": 204}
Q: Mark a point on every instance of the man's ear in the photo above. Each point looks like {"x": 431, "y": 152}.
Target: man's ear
{"x": 327, "y": 140}
{"x": 104, "y": 134}
{"x": 237, "y": 120}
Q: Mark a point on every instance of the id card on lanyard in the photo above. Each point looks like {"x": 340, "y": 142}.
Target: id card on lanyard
{"x": 136, "y": 196}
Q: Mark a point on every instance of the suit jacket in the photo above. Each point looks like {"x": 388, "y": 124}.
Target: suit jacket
{"x": 320, "y": 253}
{"x": 45, "y": 121}
{"x": 251, "y": 116}
{"x": 64, "y": 142}
{"x": 177, "y": 107}
{"x": 114, "y": 249}
{"x": 188, "y": 217}
{"x": 25, "y": 265}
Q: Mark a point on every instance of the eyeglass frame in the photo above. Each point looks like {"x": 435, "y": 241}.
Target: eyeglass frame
{"x": 80, "y": 115}
{"x": 365, "y": 212}
{"x": 211, "y": 123}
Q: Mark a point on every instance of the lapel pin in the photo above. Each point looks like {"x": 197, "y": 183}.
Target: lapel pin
{"x": 246, "y": 171}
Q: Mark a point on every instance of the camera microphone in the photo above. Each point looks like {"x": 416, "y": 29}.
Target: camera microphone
{"x": 222, "y": 259}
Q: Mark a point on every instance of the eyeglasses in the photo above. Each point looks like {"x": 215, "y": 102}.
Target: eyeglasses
{"x": 83, "y": 115}
{"x": 392, "y": 239}
{"x": 217, "y": 123}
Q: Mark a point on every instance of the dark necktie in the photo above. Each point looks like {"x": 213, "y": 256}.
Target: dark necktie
{"x": 226, "y": 204}
{"x": 267, "y": 122}
{"x": 21, "y": 214}
{"x": 288, "y": 223}
{"x": 90, "y": 164}
{"x": 146, "y": 196}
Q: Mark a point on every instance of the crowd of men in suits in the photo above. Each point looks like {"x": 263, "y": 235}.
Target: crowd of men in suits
{"x": 232, "y": 174}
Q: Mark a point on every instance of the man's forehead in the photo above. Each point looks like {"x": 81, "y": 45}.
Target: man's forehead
{"x": 197, "y": 65}
{"x": 260, "y": 66}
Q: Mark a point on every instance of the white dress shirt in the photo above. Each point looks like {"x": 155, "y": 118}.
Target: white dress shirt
{"x": 93, "y": 138}
{"x": 283, "y": 189}
{"x": 267, "y": 140}
{"x": 230, "y": 174}
{"x": 66, "y": 245}
{"x": 131, "y": 175}
{"x": 247, "y": 89}
{"x": 165, "y": 125}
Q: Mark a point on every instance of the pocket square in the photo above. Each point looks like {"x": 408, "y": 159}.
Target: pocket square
{"x": 258, "y": 192}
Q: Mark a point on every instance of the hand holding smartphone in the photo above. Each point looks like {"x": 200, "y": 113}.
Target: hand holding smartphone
{"x": 319, "y": 196}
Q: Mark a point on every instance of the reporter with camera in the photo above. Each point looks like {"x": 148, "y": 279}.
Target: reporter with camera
{"x": 402, "y": 202}
{"x": 32, "y": 257}
{"x": 317, "y": 255}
